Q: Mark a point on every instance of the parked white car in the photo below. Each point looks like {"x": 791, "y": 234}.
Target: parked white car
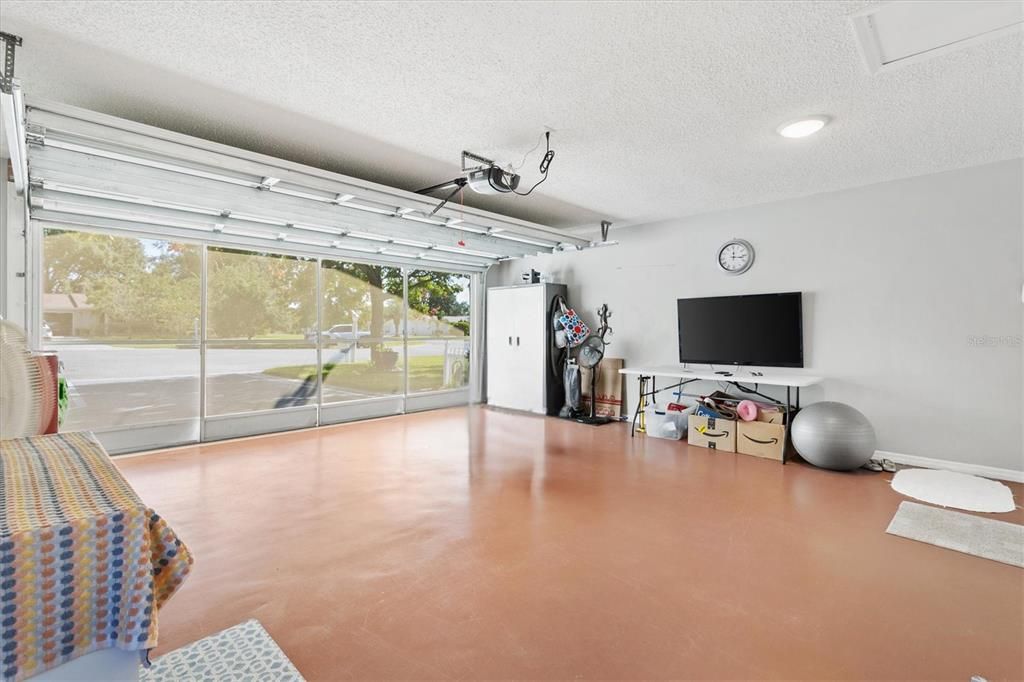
{"x": 341, "y": 334}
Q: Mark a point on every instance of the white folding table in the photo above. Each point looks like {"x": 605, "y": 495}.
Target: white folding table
{"x": 745, "y": 380}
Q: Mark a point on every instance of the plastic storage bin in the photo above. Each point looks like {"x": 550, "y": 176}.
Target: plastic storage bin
{"x": 660, "y": 423}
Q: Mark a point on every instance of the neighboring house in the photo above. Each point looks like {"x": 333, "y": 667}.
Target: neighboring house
{"x": 72, "y": 315}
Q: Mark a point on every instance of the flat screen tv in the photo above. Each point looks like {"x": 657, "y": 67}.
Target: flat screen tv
{"x": 758, "y": 329}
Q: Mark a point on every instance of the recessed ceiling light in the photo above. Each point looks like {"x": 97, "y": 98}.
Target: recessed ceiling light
{"x": 802, "y": 127}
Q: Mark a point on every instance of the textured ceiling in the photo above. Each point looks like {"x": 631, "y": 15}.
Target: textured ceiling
{"x": 659, "y": 109}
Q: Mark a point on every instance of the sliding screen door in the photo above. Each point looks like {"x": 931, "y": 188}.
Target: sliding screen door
{"x": 362, "y": 346}
{"x": 261, "y": 354}
{"x": 123, "y": 315}
{"x": 439, "y": 339}
{"x": 167, "y": 343}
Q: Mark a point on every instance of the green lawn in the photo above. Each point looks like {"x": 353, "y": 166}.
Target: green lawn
{"x": 425, "y": 374}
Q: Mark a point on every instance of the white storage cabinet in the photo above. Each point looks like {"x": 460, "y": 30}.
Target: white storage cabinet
{"x": 519, "y": 337}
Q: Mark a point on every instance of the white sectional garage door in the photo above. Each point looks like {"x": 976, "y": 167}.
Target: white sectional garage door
{"x": 96, "y": 171}
{"x": 195, "y": 291}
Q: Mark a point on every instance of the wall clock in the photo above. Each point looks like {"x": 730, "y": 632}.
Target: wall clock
{"x": 736, "y": 256}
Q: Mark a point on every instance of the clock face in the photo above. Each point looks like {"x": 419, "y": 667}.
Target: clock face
{"x": 736, "y": 256}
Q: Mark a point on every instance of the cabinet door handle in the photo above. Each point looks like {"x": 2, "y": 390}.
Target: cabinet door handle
{"x": 517, "y": 340}
{"x": 510, "y": 340}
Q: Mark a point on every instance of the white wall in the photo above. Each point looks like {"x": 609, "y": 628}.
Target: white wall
{"x": 897, "y": 279}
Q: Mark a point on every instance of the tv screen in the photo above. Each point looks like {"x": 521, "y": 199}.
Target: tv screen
{"x": 759, "y": 329}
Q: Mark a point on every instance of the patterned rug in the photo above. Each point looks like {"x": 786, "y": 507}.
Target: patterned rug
{"x": 242, "y": 652}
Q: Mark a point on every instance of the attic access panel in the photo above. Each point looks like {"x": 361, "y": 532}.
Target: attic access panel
{"x": 906, "y": 31}
{"x": 92, "y": 171}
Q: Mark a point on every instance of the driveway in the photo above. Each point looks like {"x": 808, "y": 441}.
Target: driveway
{"x": 106, "y": 404}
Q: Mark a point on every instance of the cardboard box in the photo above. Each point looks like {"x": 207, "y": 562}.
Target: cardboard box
{"x": 609, "y": 388}
{"x": 761, "y": 439}
{"x": 771, "y": 417}
{"x": 709, "y": 432}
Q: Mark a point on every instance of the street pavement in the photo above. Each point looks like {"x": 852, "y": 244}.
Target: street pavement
{"x": 119, "y": 386}
{"x": 94, "y": 362}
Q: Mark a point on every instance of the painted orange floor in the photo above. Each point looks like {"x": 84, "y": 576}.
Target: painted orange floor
{"x": 472, "y": 543}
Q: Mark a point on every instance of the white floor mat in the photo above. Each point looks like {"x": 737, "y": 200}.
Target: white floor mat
{"x": 975, "y": 535}
{"x": 949, "y": 489}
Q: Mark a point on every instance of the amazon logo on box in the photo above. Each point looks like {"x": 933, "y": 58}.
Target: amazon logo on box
{"x": 713, "y": 433}
{"x": 761, "y": 439}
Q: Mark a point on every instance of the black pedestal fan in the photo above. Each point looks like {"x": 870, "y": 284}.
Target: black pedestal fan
{"x": 590, "y": 354}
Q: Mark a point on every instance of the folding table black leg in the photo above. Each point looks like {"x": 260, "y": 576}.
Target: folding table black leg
{"x": 785, "y": 444}
{"x": 639, "y": 404}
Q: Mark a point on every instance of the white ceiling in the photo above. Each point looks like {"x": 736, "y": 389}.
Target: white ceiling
{"x": 659, "y": 109}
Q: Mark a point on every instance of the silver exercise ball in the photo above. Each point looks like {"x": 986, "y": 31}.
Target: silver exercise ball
{"x": 833, "y": 436}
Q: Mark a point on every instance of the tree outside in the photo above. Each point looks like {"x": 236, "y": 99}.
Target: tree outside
{"x": 259, "y": 295}
{"x": 149, "y": 289}
{"x": 142, "y": 289}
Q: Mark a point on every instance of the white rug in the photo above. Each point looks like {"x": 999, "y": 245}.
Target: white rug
{"x": 986, "y": 538}
{"x": 949, "y": 489}
{"x": 243, "y": 652}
